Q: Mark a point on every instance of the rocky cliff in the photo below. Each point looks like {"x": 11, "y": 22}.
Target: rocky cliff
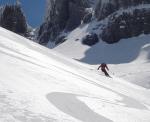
{"x": 125, "y": 18}
{"x": 62, "y": 16}
{"x": 13, "y": 19}
{"x": 107, "y": 7}
{"x": 126, "y": 24}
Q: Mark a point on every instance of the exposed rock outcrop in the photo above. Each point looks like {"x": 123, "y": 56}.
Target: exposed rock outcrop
{"x": 90, "y": 39}
{"x": 87, "y": 18}
{"x": 13, "y": 19}
{"x": 62, "y": 15}
{"x": 66, "y": 15}
{"x": 127, "y": 25}
{"x": 107, "y": 7}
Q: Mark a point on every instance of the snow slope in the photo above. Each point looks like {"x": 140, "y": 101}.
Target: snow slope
{"x": 40, "y": 85}
{"x": 128, "y": 59}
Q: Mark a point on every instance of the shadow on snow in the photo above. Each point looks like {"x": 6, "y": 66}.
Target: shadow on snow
{"x": 125, "y": 51}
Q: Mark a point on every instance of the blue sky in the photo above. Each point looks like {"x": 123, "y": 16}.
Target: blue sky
{"x": 34, "y": 10}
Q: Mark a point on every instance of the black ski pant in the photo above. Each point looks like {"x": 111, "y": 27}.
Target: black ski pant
{"x": 103, "y": 70}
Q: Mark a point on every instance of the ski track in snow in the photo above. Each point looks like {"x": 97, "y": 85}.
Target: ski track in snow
{"x": 40, "y": 85}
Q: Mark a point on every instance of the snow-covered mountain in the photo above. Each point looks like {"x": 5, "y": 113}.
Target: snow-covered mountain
{"x": 89, "y": 22}
{"x": 116, "y": 20}
{"x": 40, "y": 85}
{"x": 109, "y": 21}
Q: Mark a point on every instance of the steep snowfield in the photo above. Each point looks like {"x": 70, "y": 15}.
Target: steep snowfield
{"x": 128, "y": 59}
{"x": 39, "y": 85}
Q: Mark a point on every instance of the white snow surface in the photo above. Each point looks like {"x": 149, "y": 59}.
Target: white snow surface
{"x": 128, "y": 59}
{"x": 40, "y": 85}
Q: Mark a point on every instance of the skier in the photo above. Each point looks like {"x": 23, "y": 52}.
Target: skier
{"x": 103, "y": 67}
